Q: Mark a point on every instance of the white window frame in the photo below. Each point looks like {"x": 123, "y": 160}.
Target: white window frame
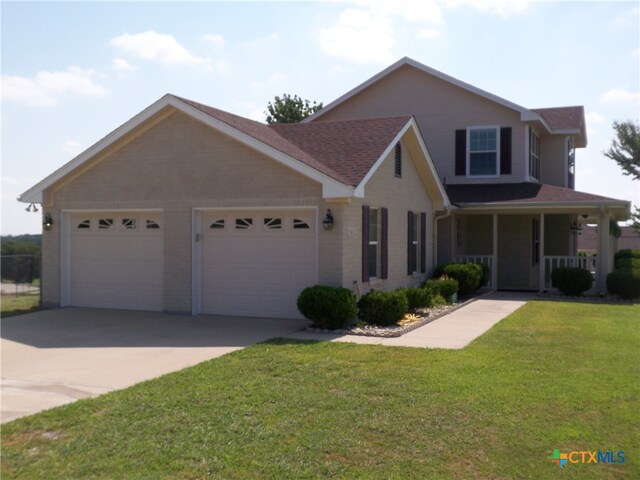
{"x": 497, "y": 150}
{"x": 534, "y": 158}
{"x": 415, "y": 243}
{"x": 375, "y": 243}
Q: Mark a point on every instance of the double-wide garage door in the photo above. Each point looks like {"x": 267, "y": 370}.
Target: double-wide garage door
{"x": 255, "y": 263}
{"x": 116, "y": 260}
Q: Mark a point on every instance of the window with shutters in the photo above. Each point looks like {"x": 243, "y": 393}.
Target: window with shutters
{"x": 483, "y": 151}
{"x": 414, "y": 242}
{"x": 374, "y": 244}
{"x": 534, "y": 155}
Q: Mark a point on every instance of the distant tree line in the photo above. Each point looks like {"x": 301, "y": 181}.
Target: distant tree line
{"x": 20, "y": 258}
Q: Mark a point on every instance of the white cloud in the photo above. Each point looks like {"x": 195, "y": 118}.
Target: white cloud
{"x": 361, "y": 36}
{"x": 273, "y": 79}
{"x": 72, "y": 147}
{"x": 501, "y": 8}
{"x": 214, "y": 39}
{"x": 428, "y": 33}
{"x": 586, "y": 172}
{"x": 122, "y": 65}
{"x": 157, "y": 47}
{"x": 635, "y": 53}
{"x": 8, "y": 181}
{"x": 46, "y": 87}
{"x": 594, "y": 117}
{"x": 620, "y": 95}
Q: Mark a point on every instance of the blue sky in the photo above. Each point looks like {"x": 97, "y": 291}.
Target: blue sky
{"x": 74, "y": 71}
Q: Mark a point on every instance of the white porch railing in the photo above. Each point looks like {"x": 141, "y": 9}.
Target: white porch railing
{"x": 554, "y": 261}
{"x": 479, "y": 259}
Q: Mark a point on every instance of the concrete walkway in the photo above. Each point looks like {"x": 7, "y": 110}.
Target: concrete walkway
{"x": 455, "y": 330}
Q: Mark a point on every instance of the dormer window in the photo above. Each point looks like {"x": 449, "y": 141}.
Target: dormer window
{"x": 534, "y": 155}
{"x": 398, "y": 162}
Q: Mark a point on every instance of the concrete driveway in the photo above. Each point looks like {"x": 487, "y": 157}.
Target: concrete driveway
{"x": 53, "y": 357}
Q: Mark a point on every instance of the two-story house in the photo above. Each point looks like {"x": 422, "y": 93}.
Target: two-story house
{"x": 509, "y": 173}
{"x": 187, "y": 208}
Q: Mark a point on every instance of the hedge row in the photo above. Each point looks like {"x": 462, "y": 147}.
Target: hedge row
{"x": 335, "y": 307}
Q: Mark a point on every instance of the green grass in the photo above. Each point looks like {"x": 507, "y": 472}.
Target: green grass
{"x": 16, "y": 305}
{"x": 552, "y": 375}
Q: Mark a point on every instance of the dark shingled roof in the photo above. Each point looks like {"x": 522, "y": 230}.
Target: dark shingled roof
{"x": 518, "y": 193}
{"x": 562, "y": 118}
{"x": 344, "y": 150}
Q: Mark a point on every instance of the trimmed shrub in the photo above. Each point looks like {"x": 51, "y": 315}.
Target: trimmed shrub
{"x": 383, "y": 308}
{"x": 628, "y": 262}
{"x": 328, "y": 307}
{"x": 627, "y": 253}
{"x": 470, "y": 276}
{"x": 624, "y": 282}
{"x": 572, "y": 281}
{"x": 443, "y": 286}
{"x": 417, "y": 297}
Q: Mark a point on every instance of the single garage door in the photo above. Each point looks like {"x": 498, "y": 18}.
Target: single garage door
{"x": 255, "y": 263}
{"x": 116, "y": 260}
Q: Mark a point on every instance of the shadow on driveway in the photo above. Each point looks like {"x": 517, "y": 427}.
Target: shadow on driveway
{"x": 101, "y": 328}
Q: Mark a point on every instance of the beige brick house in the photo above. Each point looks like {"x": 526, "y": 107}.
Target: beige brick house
{"x": 186, "y": 208}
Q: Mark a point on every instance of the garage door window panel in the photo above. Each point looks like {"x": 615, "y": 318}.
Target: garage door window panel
{"x": 105, "y": 223}
{"x": 273, "y": 223}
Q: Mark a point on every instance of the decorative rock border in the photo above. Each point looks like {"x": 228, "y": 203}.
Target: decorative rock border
{"x": 397, "y": 331}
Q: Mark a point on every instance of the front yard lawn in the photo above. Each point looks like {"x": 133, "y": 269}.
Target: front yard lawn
{"x": 554, "y": 375}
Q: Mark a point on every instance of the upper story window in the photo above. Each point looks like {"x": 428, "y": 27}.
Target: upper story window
{"x": 571, "y": 164}
{"x": 483, "y": 151}
{"x": 534, "y": 154}
{"x": 398, "y": 161}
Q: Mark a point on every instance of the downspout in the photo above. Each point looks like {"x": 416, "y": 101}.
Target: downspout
{"x": 447, "y": 212}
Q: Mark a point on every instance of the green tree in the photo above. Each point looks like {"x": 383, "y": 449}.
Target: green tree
{"x": 288, "y": 109}
{"x": 625, "y": 151}
{"x": 625, "y": 148}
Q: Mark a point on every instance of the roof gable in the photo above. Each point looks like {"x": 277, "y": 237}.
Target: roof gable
{"x": 554, "y": 120}
{"x": 339, "y": 155}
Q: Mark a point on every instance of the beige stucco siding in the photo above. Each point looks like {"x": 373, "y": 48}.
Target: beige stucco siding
{"x": 176, "y": 166}
{"x": 399, "y": 196}
{"x": 439, "y": 108}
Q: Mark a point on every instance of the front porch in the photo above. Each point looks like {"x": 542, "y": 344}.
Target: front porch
{"x": 522, "y": 250}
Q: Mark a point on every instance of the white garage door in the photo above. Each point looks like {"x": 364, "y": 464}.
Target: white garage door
{"x": 255, "y": 263}
{"x": 116, "y": 260}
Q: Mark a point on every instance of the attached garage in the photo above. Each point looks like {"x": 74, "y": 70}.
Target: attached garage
{"x": 256, "y": 262}
{"x": 115, "y": 260}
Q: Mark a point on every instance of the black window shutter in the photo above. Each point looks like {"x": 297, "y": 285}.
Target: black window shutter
{"x": 410, "y": 227}
{"x": 505, "y": 151}
{"x": 423, "y": 242}
{"x": 461, "y": 152}
{"x": 384, "y": 244}
{"x": 365, "y": 243}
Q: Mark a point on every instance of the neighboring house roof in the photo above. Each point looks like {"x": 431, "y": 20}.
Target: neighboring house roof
{"x": 558, "y": 116}
{"x": 511, "y": 195}
{"x": 588, "y": 238}
{"x": 341, "y": 155}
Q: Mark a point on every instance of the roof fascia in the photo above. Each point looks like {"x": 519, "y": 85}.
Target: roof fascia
{"x": 34, "y": 194}
{"x": 331, "y": 188}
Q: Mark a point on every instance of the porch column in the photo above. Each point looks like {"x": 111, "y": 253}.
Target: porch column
{"x": 494, "y": 267}
{"x": 604, "y": 258}
{"x": 541, "y": 260}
